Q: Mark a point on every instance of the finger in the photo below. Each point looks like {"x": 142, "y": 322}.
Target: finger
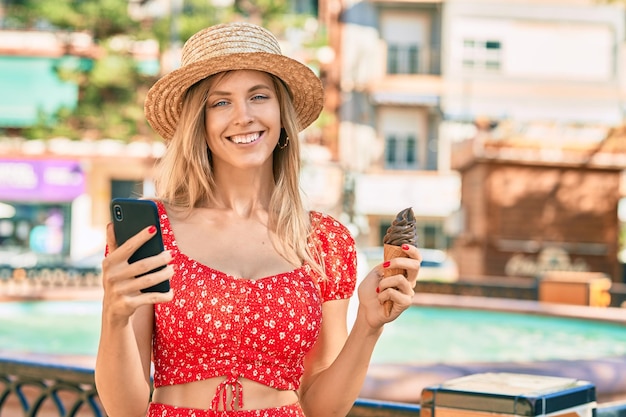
{"x": 129, "y": 247}
{"x": 396, "y": 282}
{"x": 412, "y": 251}
{"x": 134, "y": 301}
{"x": 406, "y": 287}
{"x": 118, "y": 270}
{"x": 150, "y": 263}
{"x": 401, "y": 296}
{"x": 154, "y": 297}
{"x": 389, "y": 298}
{"x": 135, "y": 285}
{"x": 409, "y": 265}
{"x": 110, "y": 236}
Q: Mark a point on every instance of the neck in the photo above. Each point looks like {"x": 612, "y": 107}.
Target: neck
{"x": 244, "y": 192}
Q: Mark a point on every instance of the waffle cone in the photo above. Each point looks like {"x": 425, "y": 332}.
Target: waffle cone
{"x": 390, "y": 252}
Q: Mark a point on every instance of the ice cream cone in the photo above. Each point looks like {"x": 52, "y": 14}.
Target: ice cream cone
{"x": 390, "y": 252}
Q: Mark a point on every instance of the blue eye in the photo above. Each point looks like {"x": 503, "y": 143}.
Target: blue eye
{"x": 259, "y": 97}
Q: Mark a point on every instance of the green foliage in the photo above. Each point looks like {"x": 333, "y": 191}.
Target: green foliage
{"x": 263, "y": 10}
{"x": 103, "y": 18}
{"x": 111, "y": 91}
{"x": 196, "y": 14}
{"x": 47, "y": 127}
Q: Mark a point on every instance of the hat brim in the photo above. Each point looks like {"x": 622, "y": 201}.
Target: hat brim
{"x": 163, "y": 103}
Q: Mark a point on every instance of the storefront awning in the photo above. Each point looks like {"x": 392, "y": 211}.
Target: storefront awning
{"x": 57, "y": 180}
{"x": 31, "y": 90}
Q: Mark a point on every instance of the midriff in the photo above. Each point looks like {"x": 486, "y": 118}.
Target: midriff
{"x": 200, "y": 395}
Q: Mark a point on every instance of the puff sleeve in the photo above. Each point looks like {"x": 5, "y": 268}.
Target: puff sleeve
{"x": 337, "y": 248}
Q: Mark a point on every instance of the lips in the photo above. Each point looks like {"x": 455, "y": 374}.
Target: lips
{"x": 245, "y": 139}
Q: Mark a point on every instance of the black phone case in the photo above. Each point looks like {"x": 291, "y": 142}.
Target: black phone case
{"x": 130, "y": 216}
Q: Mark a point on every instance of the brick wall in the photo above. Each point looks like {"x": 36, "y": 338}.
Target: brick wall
{"x": 515, "y": 211}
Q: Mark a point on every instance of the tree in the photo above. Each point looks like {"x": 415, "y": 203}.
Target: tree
{"x": 102, "y": 18}
{"x": 110, "y": 102}
{"x": 112, "y": 90}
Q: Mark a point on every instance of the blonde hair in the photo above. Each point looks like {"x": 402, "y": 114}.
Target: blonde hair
{"x": 184, "y": 178}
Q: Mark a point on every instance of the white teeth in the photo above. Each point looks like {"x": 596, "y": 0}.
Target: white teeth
{"x": 245, "y": 138}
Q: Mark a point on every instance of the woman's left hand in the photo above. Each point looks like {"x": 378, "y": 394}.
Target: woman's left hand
{"x": 375, "y": 290}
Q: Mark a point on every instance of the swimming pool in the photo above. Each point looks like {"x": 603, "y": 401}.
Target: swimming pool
{"x": 50, "y": 327}
{"x": 451, "y": 335}
{"x": 422, "y": 335}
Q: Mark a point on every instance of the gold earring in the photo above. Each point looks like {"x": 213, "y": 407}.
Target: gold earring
{"x": 283, "y": 137}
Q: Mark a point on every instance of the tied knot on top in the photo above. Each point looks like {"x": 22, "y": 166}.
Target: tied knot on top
{"x": 230, "y": 385}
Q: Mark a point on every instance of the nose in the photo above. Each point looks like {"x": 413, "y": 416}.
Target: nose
{"x": 243, "y": 114}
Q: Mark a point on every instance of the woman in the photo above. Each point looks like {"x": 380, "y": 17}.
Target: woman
{"x": 255, "y": 323}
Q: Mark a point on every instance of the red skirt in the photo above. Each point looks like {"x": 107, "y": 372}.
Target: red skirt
{"x": 164, "y": 410}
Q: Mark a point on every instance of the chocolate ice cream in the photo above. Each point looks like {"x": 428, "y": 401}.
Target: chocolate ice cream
{"x": 402, "y": 229}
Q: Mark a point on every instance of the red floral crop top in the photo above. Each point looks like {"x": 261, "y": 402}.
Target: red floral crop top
{"x": 218, "y": 325}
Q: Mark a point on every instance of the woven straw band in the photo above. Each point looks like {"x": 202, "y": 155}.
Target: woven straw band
{"x": 225, "y": 47}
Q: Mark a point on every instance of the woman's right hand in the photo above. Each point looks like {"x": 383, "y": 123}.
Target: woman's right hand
{"x": 122, "y": 291}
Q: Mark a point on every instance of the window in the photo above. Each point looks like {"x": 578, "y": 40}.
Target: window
{"x": 401, "y": 151}
{"x": 35, "y": 234}
{"x": 482, "y": 55}
{"x": 431, "y": 236}
{"x": 403, "y": 59}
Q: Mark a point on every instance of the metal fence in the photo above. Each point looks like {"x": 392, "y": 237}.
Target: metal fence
{"x": 32, "y": 389}
{"x": 38, "y": 389}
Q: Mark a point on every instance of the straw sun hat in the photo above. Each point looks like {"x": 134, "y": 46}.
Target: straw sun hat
{"x": 224, "y": 47}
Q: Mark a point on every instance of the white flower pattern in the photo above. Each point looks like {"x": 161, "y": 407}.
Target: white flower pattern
{"x": 256, "y": 329}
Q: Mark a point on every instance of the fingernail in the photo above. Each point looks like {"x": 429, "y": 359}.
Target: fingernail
{"x": 405, "y": 247}
{"x": 152, "y": 229}
{"x": 377, "y": 290}
{"x": 386, "y": 264}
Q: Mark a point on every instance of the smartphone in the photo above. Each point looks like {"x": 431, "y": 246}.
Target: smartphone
{"x": 130, "y": 216}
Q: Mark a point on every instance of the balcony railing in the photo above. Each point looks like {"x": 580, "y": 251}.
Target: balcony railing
{"x": 32, "y": 389}
{"x": 38, "y": 389}
{"x": 34, "y": 282}
{"x": 35, "y": 389}
{"x": 413, "y": 59}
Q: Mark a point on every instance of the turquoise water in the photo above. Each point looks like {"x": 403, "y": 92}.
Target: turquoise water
{"x": 446, "y": 335}
{"x": 50, "y": 327}
{"x": 421, "y": 335}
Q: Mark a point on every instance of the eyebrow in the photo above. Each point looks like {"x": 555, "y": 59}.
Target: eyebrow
{"x": 250, "y": 90}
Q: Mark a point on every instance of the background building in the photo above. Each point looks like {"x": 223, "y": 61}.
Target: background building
{"x": 54, "y": 197}
{"x": 408, "y": 83}
{"x": 540, "y": 201}
{"x": 419, "y": 76}
{"x": 391, "y": 81}
{"x": 31, "y": 63}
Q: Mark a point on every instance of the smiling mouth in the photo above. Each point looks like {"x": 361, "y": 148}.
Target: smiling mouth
{"x": 245, "y": 139}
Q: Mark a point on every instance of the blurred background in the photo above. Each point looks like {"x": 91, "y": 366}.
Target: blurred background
{"x": 502, "y": 123}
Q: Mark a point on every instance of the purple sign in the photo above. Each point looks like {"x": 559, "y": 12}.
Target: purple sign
{"x": 53, "y": 180}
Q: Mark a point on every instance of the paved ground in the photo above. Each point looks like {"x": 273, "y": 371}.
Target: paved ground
{"x": 404, "y": 383}
{"x": 47, "y": 293}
